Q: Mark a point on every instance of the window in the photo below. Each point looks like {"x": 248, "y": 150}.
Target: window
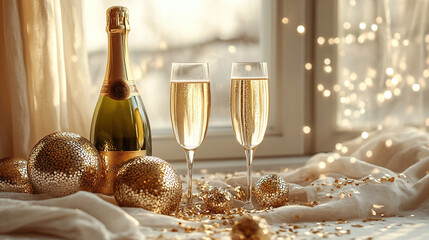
{"x": 218, "y": 32}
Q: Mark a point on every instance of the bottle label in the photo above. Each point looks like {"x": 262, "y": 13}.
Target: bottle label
{"x": 111, "y": 163}
{"x": 119, "y": 89}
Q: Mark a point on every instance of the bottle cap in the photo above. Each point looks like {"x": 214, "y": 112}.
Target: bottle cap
{"x": 117, "y": 19}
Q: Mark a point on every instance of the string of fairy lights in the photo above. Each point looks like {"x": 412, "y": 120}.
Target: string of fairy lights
{"x": 379, "y": 66}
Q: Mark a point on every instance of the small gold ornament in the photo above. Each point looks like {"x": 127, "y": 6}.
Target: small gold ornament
{"x": 150, "y": 183}
{"x": 271, "y": 191}
{"x": 218, "y": 200}
{"x": 63, "y": 163}
{"x": 250, "y": 227}
{"x": 13, "y": 175}
{"x": 240, "y": 193}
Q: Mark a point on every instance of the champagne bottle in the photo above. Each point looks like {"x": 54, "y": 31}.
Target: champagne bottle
{"x": 120, "y": 127}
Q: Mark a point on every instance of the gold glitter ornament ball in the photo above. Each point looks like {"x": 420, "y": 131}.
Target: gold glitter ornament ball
{"x": 271, "y": 191}
{"x": 150, "y": 183}
{"x": 63, "y": 163}
{"x": 13, "y": 175}
{"x": 250, "y": 227}
{"x": 218, "y": 200}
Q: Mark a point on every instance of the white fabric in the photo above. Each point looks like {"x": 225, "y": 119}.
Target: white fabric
{"x": 403, "y": 152}
{"x": 44, "y": 73}
{"x": 79, "y": 216}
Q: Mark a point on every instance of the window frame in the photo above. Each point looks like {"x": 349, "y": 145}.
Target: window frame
{"x": 325, "y": 108}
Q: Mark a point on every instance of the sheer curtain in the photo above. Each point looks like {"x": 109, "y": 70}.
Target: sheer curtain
{"x": 383, "y": 63}
{"x": 44, "y": 73}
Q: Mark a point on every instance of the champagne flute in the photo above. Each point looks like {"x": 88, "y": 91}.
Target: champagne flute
{"x": 189, "y": 109}
{"x": 249, "y": 101}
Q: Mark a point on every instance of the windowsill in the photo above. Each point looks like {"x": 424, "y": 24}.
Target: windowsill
{"x": 229, "y": 166}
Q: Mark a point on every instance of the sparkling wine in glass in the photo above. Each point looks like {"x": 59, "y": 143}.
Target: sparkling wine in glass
{"x": 189, "y": 109}
{"x": 250, "y": 100}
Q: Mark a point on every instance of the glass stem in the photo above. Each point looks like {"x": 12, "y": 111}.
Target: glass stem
{"x": 249, "y": 163}
{"x": 190, "y": 163}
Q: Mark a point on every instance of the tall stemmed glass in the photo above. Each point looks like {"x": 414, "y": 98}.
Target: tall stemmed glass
{"x": 190, "y": 109}
{"x": 250, "y": 102}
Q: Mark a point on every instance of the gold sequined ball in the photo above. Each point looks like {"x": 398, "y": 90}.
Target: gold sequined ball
{"x": 63, "y": 163}
{"x": 271, "y": 191}
{"x": 218, "y": 200}
{"x": 150, "y": 183}
{"x": 13, "y": 175}
{"x": 250, "y": 228}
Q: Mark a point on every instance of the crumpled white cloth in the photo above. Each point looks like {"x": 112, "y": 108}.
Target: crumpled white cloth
{"x": 82, "y": 215}
{"x": 401, "y": 156}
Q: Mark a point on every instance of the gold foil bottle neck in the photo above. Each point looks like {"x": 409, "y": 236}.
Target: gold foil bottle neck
{"x": 117, "y": 19}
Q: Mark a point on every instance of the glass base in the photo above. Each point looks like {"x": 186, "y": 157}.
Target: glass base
{"x": 248, "y": 206}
